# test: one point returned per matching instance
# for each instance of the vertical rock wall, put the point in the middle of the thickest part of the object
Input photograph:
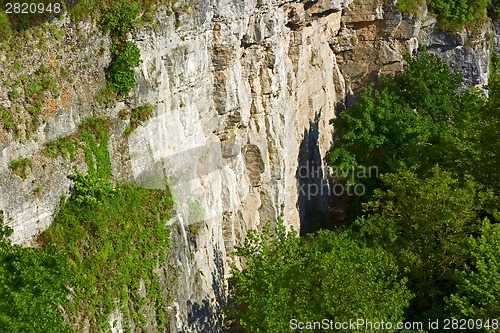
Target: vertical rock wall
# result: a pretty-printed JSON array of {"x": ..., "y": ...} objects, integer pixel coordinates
[
  {"x": 243, "y": 92},
  {"x": 235, "y": 95}
]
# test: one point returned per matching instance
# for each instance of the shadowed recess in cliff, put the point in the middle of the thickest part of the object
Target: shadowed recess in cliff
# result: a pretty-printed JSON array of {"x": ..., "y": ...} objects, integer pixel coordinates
[
  {"x": 314, "y": 196},
  {"x": 207, "y": 315}
]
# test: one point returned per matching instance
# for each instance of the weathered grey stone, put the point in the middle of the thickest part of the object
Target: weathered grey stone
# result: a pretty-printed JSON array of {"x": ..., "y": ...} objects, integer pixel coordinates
[{"x": 468, "y": 52}]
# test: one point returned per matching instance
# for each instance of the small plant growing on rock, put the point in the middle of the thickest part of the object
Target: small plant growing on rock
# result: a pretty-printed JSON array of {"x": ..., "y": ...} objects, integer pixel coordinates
[
  {"x": 64, "y": 146},
  {"x": 120, "y": 75},
  {"x": 90, "y": 190},
  {"x": 138, "y": 116},
  {"x": 20, "y": 167},
  {"x": 6, "y": 119}
]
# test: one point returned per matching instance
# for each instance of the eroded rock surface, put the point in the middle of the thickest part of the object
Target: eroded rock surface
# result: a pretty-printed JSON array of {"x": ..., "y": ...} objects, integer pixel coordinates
[{"x": 243, "y": 93}]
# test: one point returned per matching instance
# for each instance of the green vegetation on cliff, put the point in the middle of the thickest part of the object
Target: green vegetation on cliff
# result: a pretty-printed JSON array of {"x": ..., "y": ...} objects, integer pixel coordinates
[
  {"x": 111, "y": 244},
  {"x": 115, "y": 16},
  {"x": 325, "y": 275},
  {"x": 103, "y": 252},
  {"x": 91, "y": 261},
  {"x": 20, "y": 167},
  {"x": 34, "y": 85},
  {"x": 451, "y": 14},
  {"x": 32, "y": 287},
  {"x": 137, "y": 116},
  {"x": 121, "y": 74}
]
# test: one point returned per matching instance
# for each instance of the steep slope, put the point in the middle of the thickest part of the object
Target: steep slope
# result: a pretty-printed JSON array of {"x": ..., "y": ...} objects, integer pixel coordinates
[{"x": 242, "y": 93}]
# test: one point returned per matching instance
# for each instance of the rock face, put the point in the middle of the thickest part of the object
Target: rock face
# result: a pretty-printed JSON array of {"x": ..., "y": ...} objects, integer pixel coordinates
[
  {"x": 235, "y": 96},
  {"x": 468, "y": 52},
  {"x": 243, "y": 93}
]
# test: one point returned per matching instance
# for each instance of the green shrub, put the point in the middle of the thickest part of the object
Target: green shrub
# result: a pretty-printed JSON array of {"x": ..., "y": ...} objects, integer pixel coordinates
[
  {"x": 90, "y": 190},
  {"x": 64, "y": 146},
  {"x": 138, "y": 116},
  {"x": 20, "y": 167},
  {"x": 6, "y": 119},
  {"x": 121, "y": 75},
  {"x": 454, "y": 14},
  {"x": 110, "y": 248},
  {"x": 118, "y": 18},
  {"x": 31, "y": 287}
]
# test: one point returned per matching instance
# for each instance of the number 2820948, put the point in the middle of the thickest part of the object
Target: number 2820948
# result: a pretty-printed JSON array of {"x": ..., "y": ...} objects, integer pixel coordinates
[{"x": 32, "y": 8}]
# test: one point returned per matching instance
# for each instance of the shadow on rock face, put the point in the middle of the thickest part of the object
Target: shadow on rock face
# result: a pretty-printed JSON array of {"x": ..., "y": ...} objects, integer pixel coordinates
[
  {"x": 314, "y": 197},
  {"x": 207, "y": 315}
]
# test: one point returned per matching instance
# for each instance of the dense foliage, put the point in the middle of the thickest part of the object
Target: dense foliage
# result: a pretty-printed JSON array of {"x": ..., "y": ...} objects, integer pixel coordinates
[
  {"x": 452, "y": 15},
  {"x": 326, "y": 275},
  {"x": 434, "y": 210},
  {"x": 121, "y": 74},
  {"x": 409, "y": 120},
  {"x": 101, "y": 253},
  {"x": 425, "y": 223},
  {"x": 31, "y": 288},
  {"x": 478, "y": 286},
  {"x": 119, "y": 17},
  {"x": 110, "y": 248}
]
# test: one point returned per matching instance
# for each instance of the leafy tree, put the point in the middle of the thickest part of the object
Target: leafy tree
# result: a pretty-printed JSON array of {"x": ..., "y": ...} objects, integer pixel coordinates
[
  {"x": 425, "y": 214},
  {"x": 326, "y": 275},
  {"x": 409, "y": 119},
  {"x": 31, "y": 288},
  {"x": 478, "y": 287},
  {"x": 486, "y": 168},
  {"x": 420, "y": 119},
  {"x": 424, "y": 222}
]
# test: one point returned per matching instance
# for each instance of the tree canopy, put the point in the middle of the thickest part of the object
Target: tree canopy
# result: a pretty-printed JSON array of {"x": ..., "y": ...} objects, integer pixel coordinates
[{"x": 327, "y": 275}]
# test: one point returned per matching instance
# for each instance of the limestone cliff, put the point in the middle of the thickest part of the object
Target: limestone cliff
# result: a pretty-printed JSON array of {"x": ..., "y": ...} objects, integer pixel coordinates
[{"x": 243, "y": 92}]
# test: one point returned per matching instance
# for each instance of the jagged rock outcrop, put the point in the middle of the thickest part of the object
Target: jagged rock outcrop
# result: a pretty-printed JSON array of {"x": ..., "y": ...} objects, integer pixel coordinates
[
  {"x": 243, "y": 93},
  {"x": 468, "y": 52}
]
